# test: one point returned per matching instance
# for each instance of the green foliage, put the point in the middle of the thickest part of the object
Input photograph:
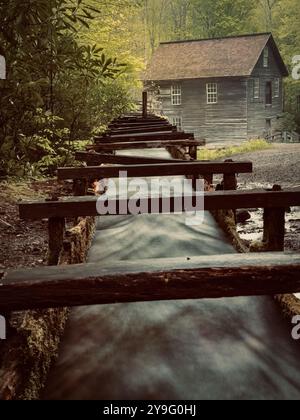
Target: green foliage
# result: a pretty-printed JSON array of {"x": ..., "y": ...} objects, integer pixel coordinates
[
  {"x": 54, "y": 82},
  {"x": 66, "y": 73},
  {"x": 221, "y": 17}
]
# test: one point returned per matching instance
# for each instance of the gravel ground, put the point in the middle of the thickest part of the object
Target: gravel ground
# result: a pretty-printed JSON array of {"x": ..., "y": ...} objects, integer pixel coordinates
[{"x": 278, "y": 165}]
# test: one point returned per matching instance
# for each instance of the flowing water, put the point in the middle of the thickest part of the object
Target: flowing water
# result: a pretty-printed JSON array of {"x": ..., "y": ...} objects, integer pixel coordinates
[{"x": 237, "y": 348}]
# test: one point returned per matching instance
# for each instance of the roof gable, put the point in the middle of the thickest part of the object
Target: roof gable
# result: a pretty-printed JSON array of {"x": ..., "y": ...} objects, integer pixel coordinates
[{"x": 219, "y": 57}]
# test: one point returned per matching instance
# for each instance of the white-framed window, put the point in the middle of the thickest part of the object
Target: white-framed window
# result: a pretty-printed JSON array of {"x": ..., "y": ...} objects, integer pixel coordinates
[
  {"x": 176, "y": 95},
  {"x": 276, "y": 87},
  {"x": 177, "y": 121},
  {"x": 212, "y": 93},
  {"x": 256, "y": 88},
  {"x": 266, "y": 57}
]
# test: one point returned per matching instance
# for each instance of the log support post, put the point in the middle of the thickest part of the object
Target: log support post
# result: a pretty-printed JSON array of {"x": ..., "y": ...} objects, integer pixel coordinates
[
  {"x": 208, "y": 182},
  {"x": 80, "y": 187},
  {"x": 230, "y": 184},
  {"x": 193, "y": 151},
  {"x": 56, "y": 227},
  {"x": 230, "y": 180},
  {"x": 145, "y": 104},
  {"x": 274, "y": 227}
]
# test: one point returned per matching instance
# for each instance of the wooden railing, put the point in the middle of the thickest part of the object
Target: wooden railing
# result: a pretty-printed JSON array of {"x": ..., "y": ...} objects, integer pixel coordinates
[
  {"x": 86, "y": 206},
  {"x": 156, "y": 169},
  {"x": 134, "y": 143},
  {"x": 94, "y": 158},
  {"x": 150, "y": 280},
  {"x": 161, "y": 279}
]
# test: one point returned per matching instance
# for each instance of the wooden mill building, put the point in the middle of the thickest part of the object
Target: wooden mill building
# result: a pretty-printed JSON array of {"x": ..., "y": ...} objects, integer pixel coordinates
[{"x": 220, "y": 89}]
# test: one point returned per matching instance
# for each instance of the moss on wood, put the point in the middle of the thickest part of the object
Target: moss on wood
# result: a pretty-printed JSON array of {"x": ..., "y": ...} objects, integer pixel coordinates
[{"x": 34, "y": 336}]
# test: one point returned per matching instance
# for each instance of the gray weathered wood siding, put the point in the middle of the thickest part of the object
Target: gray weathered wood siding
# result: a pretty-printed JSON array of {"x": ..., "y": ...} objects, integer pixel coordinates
[
  {"x": 237, "y": 116},
  {"x": 226, "y": 120},
  {"x": 258, "y": 111}
]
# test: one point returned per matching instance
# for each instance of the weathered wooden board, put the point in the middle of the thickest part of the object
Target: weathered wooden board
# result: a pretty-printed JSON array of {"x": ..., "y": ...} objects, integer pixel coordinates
[
  {"x": 99, "y": 159},
  {"x": 100, "y": 147},
  {"x": 141, "y": 130},
  {"x": 86, "y": 206},
  {"x": 145, "y": 137},
  {"x": 161, "y": 169},
  {"x": 124, "y": 125},
  {"x": 138, "y": 119},
  {"x": 150, "y": 280}
]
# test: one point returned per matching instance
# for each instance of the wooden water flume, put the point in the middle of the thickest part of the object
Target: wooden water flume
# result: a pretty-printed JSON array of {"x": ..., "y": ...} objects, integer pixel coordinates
[{"x": 161, "y": 279}]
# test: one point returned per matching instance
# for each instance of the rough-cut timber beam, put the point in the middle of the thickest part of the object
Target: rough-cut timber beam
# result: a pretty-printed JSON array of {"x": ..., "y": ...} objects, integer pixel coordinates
[
  {"x": 144, "y": 137},
  {"x": 125, "y": 125},
  {"x": 86, "y": 206},
  {"x": 138, "y": 119},
  {"x": 140, "y": 130},
  {"x": 160, "y": 144},
  {"x": 161, "y": 169},
  {"x": 99, "y": 159},
  {"x": 150, "y": 280},
  {"x": 138, "y": 126}
]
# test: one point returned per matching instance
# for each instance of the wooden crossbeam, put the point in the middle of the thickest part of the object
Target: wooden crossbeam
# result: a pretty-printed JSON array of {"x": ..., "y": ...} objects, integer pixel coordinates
[
  {"x": 161, "y": 169},
  {"x": 150, "y": 280},
  {"x": 125, "y": 125},
  {"x": 158, "y": 144},
  {"x": 144, "y": 137},
  {"x": 137, "y": 126},
  {"x": 138, "y": 118},
  {"x": 99, "y": 159},
  {"x": 141, "y": 130},
  {"x": 86, "y": 206}
]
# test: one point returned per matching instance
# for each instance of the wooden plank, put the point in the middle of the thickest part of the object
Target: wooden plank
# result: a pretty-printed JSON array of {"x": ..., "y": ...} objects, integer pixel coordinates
[
  {"x": 138, "y": 118},
  {"x": 138, "y": 121},
  {"x": 150, "y": 280},
  {"x": 86, "y": 206},
  {"x": 126, "y": 125},
  {"x": 137, "y": 126},
  {"x": 159, "y": 144},
  {"x": 141, "y": 130},
  {"x": 161, "y": 169},
  {"x": 99, "y": 159},
  {"x": 145, "y": 137}
]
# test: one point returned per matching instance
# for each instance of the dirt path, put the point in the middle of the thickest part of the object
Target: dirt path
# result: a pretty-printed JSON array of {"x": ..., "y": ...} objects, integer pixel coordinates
[{"x": 278, "y": 165}]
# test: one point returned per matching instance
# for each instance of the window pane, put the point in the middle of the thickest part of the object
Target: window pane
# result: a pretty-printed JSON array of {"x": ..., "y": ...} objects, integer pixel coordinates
[
  {"x": 269, "y": 93},
  {"x": 177, "y": 121},
  {"x": 176, "y": 95},
  {"x": 277, "y": 88},
  {"x": 256, "y": 88},
  {"x": 266, "y": 57},
  {"x": 212, "y": 93}
]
